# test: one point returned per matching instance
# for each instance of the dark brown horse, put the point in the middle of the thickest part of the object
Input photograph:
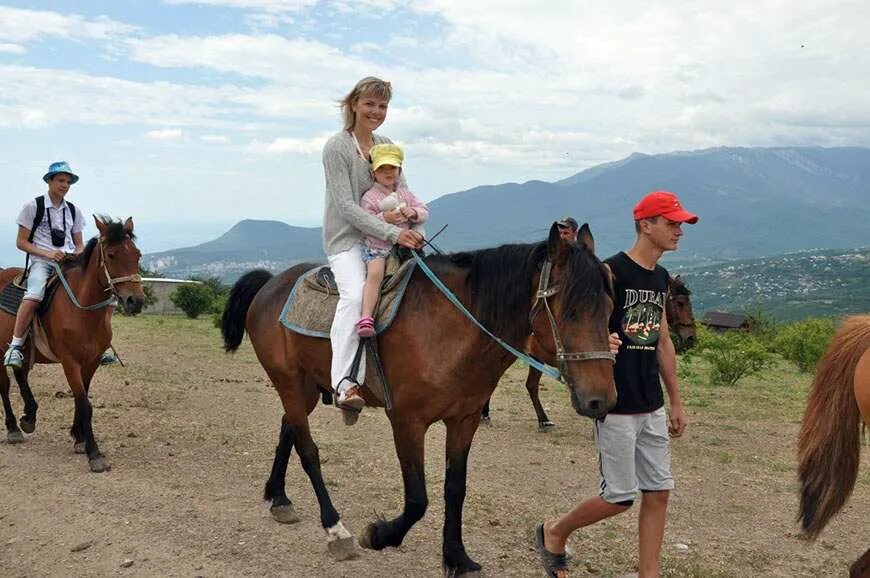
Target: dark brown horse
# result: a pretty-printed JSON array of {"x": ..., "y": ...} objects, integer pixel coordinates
[
  {"x": 829, "y": 442},
  {"x": 439, "y": 365},
  {"x": 77, "y": 336},
  {"x": 681, "y": 319}
]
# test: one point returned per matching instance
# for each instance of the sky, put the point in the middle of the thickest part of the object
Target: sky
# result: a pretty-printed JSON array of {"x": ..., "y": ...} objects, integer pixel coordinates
[{"x": 190, "y": 115}]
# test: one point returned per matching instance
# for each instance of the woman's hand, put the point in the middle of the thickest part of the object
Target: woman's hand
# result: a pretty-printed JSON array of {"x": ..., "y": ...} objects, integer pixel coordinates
[
  {"x": 395, "y": 217},
  {"x": 410, "y": 239}
]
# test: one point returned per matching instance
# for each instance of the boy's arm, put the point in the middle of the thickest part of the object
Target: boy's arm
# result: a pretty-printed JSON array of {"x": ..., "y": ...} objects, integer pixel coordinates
[
  {"x": 77, "y": 241},
  {"x": 23, "y": 243},
  {"x": 667, "y": 358}
]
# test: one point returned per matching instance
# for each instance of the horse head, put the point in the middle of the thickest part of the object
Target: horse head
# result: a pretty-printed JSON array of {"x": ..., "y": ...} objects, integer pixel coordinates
[
  {"x": 119, "y": 261},
  {"x": 575, "y": 292},
  {"x": 679, "y": 312}
]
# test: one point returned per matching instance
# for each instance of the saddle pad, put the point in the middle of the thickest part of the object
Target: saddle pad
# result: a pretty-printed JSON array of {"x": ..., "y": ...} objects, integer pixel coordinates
[
  {"x": 10, "y": 298},
  {"x": 310, "y": 307}
]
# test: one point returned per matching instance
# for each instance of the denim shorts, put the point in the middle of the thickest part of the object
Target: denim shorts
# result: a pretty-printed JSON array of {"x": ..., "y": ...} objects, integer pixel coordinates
[
  {"x": 370, "y": 254},
  {"x": 36, "y": 280}
]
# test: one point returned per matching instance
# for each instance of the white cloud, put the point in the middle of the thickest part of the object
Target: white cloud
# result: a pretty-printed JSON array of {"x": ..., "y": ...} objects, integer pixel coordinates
[
  {"x": 287, "y": 145},
  {"x": 267, "y": 5},
  {"x": 9, "y": 48},
  {"x": 19, "y": 25},
  {"x": 215, "y": 138},
  {"x": 168, "y": 134}
]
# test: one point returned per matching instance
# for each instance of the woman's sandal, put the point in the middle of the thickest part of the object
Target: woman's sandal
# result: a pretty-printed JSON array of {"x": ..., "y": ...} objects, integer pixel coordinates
[
  {"x": 551, "y": 562},
  {"x": 365, "y": 327}
]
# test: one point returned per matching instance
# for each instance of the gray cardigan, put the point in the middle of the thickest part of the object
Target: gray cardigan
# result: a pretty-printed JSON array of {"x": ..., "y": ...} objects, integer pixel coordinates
[{"x": 348, "y": 177}]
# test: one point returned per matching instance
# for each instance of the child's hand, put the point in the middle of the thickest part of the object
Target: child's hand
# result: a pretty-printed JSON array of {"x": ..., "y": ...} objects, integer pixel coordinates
[
  {"x": 395, "y": 217},
  {"x": 410, "y": 214}
]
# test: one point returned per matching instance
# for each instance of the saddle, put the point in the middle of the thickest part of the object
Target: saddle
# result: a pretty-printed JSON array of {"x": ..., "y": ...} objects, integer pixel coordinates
[
  {"x": 10, "y": 301},
  {"x": 311, "y": 306},
  {"x": 13, "y": 294}
]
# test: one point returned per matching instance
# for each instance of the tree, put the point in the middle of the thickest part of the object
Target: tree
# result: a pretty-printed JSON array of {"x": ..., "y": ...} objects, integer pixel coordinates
[
  {"x": 804, "y": 342},
  {"x": 194, "y": 299},
  {"x": 732, "y": 355}
]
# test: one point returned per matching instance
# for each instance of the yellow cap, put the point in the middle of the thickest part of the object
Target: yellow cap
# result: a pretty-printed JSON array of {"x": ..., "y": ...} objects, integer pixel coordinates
[{"x": 386, "y": 154}]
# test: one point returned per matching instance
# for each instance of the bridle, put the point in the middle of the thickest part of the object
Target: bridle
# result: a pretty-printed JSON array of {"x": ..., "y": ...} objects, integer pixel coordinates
[
  {"x": 545, "y": 291},
  {"x": 112, "y": 281}
]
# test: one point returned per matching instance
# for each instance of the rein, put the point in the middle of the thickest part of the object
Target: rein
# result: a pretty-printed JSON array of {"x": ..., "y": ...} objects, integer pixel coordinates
[
  {"x": 542, "y": 289},
  {"x": 112, "y": 281}
]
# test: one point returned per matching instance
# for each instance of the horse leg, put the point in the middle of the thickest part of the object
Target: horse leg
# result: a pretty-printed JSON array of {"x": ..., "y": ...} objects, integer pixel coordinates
[
  {"x": 78, "y": 376},
  {"x": 28, "y": 420},
  {"x": 533, "y": 382},
  {"x": 484, "y": 415},
  {"x": 460, "y": 432},
  {"x": 13, "y": 434},
  {"x": 409, "y": 441},
  {"x": 861, "y": 567},
  {"x": 282, "y": 508}
]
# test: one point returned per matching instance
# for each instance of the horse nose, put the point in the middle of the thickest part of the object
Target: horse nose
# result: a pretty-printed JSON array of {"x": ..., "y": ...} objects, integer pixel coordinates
[
  {"x": 596, "y": 406},
  {"x": 690, "y": 341},
  {"x": 133, "y": 305}
]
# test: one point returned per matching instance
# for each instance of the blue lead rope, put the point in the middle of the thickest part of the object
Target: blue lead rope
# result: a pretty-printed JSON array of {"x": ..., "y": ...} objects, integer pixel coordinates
[
  {"x": 542, "y": 367},
  {"x": 72, "y": 296}
]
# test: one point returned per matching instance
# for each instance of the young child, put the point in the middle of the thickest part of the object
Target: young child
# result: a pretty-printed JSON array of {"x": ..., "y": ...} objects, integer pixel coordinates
[{"x": 387, "y": 194}]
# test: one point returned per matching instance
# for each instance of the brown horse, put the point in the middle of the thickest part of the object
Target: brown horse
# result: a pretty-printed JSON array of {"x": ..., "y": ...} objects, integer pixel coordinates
[
  {"x": 76, "y": 335},
  {"x": 829, "y": 442},
  {"x": 681, "y": 319},
  {"x": 439, "y": 365}
]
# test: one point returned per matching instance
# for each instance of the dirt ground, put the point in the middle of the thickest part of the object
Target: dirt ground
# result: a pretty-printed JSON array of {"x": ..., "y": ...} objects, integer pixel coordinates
[{"x": 190, "y": 433}]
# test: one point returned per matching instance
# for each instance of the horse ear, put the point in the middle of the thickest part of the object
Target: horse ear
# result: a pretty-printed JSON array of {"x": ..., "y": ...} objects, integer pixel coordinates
[
  {"x": 555, "y": 245},
  {"x": 584, "y": 237},
  {"x": 128, "y": 225},
  {"x": 101, "y": 226}
]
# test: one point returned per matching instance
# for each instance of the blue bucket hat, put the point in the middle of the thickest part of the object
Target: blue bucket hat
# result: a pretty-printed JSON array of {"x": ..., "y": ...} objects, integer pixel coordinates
[{"x": 60, "y": 167}]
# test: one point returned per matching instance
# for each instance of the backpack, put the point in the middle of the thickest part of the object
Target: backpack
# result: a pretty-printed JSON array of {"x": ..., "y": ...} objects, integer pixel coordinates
[{"x": 37, "y": 219}]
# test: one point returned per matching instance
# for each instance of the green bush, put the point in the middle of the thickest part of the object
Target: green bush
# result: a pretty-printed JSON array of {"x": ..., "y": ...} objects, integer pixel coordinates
[
  {"x": 764, "y": 326},
  {"x": 731, "y": 355},
  {"x": 194, "y": 299},
  {"x": 804, "y": 342}
]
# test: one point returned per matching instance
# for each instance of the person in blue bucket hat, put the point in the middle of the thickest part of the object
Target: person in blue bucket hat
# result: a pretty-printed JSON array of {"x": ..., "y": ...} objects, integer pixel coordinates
[{"x": 49, "y": 228}]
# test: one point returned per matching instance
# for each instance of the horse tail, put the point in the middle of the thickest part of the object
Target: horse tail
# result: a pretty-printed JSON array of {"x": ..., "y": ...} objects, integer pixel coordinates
[
  {"x": 236, "y": 311},
  {"x": 829, "y": 441}
]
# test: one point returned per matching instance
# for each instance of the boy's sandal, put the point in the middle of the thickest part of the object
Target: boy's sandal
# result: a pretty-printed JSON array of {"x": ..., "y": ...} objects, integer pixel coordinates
[{"x": 551, "y": 562}]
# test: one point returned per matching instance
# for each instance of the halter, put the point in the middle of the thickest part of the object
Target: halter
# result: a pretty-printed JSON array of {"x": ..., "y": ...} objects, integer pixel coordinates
[
  {"x": 112, "y": 281},
  {"x": 545, "y": 291}
]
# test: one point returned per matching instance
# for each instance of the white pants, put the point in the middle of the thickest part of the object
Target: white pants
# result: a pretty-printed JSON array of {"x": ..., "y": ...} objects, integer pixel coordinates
[{"x": 350, "y": 276}]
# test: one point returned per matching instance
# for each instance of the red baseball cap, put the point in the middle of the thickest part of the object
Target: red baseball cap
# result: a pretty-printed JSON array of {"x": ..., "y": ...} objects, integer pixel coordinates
[{"x": 666, "y": 204}]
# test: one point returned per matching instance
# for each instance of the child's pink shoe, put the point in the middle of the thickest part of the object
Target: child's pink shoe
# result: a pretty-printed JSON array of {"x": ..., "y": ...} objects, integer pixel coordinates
[{"x": 365, "y": 327}]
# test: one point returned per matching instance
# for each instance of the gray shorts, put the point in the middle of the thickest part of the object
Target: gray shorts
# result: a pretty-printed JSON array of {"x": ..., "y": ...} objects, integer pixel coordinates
[{"x": 634, "y": 453}]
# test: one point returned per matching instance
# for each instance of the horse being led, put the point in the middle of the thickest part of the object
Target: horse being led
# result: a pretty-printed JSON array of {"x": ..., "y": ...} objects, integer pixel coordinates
[
  {"x": 829, "y": 442},
  {"x": 439, "y": 365},
  {"x": 681, "y": 319},
  {"x": 76, "y": 336}
]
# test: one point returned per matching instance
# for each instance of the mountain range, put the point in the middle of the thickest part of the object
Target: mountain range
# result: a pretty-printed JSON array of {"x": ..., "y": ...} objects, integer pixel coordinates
[{"x": 752, "y": 202}]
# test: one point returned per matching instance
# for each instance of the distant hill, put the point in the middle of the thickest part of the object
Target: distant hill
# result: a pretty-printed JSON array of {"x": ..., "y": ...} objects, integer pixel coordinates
[
  {"x": 793, "y": 286},
  {"x": 752, "y": 202}
]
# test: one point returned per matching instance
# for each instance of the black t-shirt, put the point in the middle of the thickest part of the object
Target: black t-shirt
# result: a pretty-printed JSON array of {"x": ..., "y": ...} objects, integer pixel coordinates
[{"x": 637, "y": 315}]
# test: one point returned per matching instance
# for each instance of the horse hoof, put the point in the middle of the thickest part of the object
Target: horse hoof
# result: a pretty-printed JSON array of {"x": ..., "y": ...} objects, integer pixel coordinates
[
  {"x": 28, "y": 425},
  {"x": 285, "y": 514},
  {"x": 15, "y": 437},
  {"x": 365, "y": 541},
  {"x": 342, "y": 548},
  {"x": 99, "y": 465},
  {"x": 546, "y": 426},
  {"x": 79, "y": 447}
]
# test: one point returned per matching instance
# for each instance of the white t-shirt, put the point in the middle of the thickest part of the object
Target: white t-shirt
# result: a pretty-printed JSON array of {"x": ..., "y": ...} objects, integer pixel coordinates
[{"x": 42, "y": 237}]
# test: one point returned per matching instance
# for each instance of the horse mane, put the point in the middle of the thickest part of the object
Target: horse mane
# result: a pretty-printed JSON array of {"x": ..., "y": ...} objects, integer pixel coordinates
[
  {"x": 829, "y": 441},
  {"x": 677, "y": 287},
  {"x": 500, "y": 288},
  {"x": 115, "y": 233}
]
